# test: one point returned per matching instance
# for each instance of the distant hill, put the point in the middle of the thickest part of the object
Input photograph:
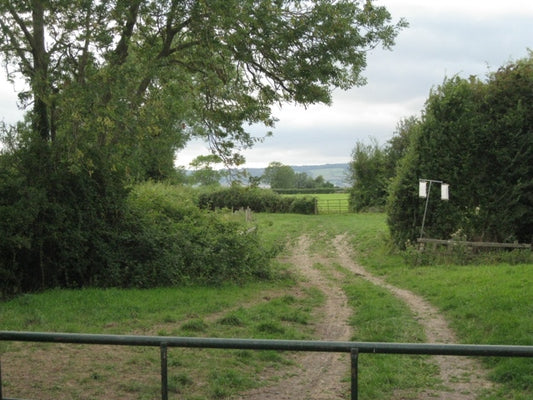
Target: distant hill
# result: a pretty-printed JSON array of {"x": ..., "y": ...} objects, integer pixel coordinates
[{"x": 334, "y": 173}]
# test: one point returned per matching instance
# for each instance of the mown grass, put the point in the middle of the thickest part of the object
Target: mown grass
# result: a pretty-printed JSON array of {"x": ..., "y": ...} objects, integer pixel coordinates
[
  {"x": 483, "y": 303},
  {"x": 262, "y": 310}
]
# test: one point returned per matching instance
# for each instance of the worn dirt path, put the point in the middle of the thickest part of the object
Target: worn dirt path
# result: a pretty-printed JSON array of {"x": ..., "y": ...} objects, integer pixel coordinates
[{"x": 320, "y": 374}]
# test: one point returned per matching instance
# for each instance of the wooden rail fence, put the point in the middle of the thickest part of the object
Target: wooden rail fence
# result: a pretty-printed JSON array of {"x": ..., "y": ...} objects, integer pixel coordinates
[{"x": 474, "y": 244}]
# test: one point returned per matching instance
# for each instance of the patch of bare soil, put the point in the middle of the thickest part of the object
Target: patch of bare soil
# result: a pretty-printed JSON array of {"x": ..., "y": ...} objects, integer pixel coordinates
[
  {"x": 462, "y": 378},
  {"x": 320, "y": 374}
]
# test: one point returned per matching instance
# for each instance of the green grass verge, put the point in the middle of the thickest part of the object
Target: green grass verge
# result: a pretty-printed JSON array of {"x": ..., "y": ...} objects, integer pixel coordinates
[
  {"x": 380, "y": 317},
  {"x": 484, "y": 304},
  {"x": 250, "y": 311}
]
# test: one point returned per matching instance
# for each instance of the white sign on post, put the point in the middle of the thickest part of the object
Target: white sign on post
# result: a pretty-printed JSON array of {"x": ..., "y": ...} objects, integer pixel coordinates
[
  {"x": 422, "y": 189},
  {"x": 444, "y": 191}
]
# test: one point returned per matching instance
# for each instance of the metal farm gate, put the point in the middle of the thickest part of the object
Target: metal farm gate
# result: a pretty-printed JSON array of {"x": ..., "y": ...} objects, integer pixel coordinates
[
  {"x": 331, "y": 206},
  {"x": 353, "y": 348}
]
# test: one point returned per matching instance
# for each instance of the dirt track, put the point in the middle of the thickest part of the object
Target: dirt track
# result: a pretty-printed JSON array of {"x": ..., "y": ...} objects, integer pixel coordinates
[
  {"x": 316, "y": 376},
  {"x": 321, "y": 374}
]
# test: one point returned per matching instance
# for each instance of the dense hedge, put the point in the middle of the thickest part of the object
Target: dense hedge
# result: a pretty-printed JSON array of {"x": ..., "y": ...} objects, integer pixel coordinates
[
  {"x": 170, "y": 241},
  {"x": 59, "y": 225},
  {"x": 326, "y": 190},
  {"x": 74, "y": 234},
  {"x": 258, "y": 200},
  {"x": 477, "y": 136}
]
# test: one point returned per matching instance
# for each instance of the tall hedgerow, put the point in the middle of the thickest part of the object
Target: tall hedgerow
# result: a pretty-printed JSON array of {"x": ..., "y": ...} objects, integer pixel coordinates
[
  {"x": 476, "y": 136},
  {"x": 256, "y": 199},
  {"x": 170, "y": 241}
]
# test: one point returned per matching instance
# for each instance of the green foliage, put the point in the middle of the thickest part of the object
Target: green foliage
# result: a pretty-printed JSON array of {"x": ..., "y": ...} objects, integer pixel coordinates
[
  {"x": 257, "y": 200},
  {"x": 147, "y": 75},
  {"x": 283, "y": 179},
  {"x": 373, "y": 167},
  {"x": 156, "y": 236},
  {"x": 116, "y": 88},
  {"x": 303, "y": 205},
  {"x": 279, "y": 176},
  {"x": 204, "y": 174},
  {"x": 60, "y": 222},
  {"x": 476, "y": 136},
  {"x": 368, "y": 177},
  {"x": 459, "y": 253},
  {"x": 169, "y": 241}
]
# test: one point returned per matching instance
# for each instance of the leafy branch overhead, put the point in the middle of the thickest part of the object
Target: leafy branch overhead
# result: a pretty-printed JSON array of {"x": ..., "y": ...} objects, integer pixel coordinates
[{"x": 132, "y": 73}]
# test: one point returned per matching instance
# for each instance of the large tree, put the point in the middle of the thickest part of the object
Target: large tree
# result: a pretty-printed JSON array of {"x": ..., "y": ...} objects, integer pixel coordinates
[
  {"x": 115, "y": 87},
  {"x": 368, "y": 176},
  {"x": 143, "y": 76},
  {"x": 373, "y": 166},
  {"x": 279, "y": 176}
]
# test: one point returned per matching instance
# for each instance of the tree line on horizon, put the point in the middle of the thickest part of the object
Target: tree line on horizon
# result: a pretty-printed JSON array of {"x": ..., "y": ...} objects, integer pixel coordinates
[{"x": 276, "y": 175}]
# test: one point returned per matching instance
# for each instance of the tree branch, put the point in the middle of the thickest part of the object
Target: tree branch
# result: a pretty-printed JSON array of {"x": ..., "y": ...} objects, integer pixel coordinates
[
  {"x": 18, "y": 49},
  {"x": 21, "y": 24},
  {"x": 121, "y": 51}
]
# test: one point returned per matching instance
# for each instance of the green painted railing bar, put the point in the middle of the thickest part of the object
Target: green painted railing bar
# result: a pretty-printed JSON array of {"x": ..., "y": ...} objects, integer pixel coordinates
[
  {"x": 354, "y": 356},
  {"x": 268, "y": 344},
  {"x": 164, "y": 371},
  {"x": 354, "y": 348}
]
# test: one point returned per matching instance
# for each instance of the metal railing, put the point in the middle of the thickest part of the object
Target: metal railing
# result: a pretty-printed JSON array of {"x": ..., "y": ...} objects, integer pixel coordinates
[
  {"x": 332, "y": 206},
  {"x": 353, "y": 348}
]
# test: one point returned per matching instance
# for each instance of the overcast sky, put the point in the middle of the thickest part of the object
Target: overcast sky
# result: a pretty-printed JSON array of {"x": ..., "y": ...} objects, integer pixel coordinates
[{"x": 444, "y": 38}]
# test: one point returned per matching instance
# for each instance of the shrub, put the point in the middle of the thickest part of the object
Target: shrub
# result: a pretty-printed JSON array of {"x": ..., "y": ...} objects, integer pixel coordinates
[
  {"x": 74, "y": 235},
  {"x": 258, "y": 200},
  {"x": 168, "y": 240},
  {"x": 302, "y": 205},
  {"x": 59, "y": 223}
]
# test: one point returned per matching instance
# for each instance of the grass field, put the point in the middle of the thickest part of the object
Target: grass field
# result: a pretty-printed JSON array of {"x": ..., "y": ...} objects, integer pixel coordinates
[{"x": 483, "y": 303}]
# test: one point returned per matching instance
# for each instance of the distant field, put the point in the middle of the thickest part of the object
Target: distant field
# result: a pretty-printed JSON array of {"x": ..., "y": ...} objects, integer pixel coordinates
[
  {"x": 323, "y": 196},
  {"x": 334, "y": 203}
]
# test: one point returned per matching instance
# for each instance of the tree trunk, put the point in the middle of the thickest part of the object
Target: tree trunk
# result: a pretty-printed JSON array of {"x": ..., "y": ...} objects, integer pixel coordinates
[{"x": 39, "y": 79}]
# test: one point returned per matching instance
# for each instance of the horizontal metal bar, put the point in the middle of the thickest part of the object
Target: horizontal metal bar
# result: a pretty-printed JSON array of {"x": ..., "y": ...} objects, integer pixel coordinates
[
  {"x": 266, "y": 344},
  {"x": 475, "y": 244}
]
